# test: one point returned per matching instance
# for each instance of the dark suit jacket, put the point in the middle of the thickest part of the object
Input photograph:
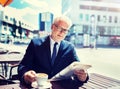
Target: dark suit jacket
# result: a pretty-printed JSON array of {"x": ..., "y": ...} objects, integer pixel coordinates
[{"x": 38, "y": 57}]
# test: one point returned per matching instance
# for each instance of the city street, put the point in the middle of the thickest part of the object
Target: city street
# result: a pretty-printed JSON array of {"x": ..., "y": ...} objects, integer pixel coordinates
[
  {"x": 105, "y": 61},
  {"x": 11, "y": 47}
]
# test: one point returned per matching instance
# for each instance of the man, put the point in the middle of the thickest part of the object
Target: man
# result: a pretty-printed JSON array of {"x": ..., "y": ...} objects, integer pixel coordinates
[{"x": 38, "y": 56}]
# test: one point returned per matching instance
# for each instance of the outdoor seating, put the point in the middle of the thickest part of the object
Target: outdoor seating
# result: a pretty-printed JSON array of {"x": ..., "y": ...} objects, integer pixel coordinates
[
  {"x": 11, "y": 75},
  {"x": 13, "y": 66},
  {"x": 98, "y": 81},
  {"x": 2, "y": 77},
  {"x": 4, "y": 81},
  {"x": 2, "y": 52},
  {"x": 8, "y": 60},
  {"x": 10, "y": 53}
]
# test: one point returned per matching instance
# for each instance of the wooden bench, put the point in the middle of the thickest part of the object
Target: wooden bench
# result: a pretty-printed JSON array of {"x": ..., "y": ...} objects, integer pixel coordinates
[{"x": 98, "y": 81}]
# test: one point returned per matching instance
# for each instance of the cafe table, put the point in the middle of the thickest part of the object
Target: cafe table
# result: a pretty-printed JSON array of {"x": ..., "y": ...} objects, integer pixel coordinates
[
  {"x": 96, "y": 81},
  {"x": 6, "y": 59},
  {"x": 3, "y": 51}
]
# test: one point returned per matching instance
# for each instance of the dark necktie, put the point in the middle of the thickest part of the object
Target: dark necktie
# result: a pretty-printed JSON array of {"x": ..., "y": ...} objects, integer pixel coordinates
[{"x": 54, "y": 53}]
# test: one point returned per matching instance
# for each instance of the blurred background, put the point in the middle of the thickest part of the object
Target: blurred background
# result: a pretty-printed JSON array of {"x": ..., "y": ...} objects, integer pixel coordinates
[
  {"x": 93, "y": 21},
  {"x": 95, "y": 31}
]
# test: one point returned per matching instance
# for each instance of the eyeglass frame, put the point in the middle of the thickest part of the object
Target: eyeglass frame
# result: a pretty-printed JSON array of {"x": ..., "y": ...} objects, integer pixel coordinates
[{"x": 61, "y": 29}]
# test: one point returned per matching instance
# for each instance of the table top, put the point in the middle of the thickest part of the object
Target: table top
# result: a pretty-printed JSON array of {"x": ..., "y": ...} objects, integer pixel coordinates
[
  {"x": 96, "y": 81},
  {"x": 10, "y": 58},
  {"x": 3, "y": 51},
  {"x": 10, "y": 86}
]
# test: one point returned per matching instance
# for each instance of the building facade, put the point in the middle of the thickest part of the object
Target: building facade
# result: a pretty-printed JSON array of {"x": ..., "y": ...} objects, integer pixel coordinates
[
  {"x": 95, "y": 22},
  {"x": 13, "y": 28},
  {"x": 45, "y": 21}
]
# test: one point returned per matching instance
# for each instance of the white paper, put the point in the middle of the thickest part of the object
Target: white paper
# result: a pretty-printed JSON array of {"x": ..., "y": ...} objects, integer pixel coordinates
[{"x": 69, "y": 71}]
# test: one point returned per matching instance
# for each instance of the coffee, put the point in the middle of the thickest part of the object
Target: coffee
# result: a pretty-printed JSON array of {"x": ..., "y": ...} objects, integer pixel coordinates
[
  {"x": 41, "y": 75},
  {"x": 41, "y": 79}
]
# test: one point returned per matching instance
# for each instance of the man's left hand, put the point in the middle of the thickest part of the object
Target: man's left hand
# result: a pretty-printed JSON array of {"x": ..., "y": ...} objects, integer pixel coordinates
[{"x": 81, "y": 74}]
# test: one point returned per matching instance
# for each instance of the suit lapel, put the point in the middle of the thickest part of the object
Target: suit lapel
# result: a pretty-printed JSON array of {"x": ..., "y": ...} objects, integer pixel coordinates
[{"x": 47, "y": 48}]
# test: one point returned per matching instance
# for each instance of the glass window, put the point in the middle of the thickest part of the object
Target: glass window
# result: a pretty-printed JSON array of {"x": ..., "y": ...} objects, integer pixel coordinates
[
  {"x": 104, "y": 18},
  {"x": 5, "y": 28},
  {"x": 110, "y": 19},
  {"x": 11, "y": 19},
  {"x": 98, "y": 18},
  {"x": 87, "y": 17},
  {"x": 81, "y": 17},
  {"x": 116, "y": 19},
  {"x": 6, "y": 17}
]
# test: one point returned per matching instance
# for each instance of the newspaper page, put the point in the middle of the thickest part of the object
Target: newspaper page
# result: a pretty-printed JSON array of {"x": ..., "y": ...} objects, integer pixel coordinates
[{"x": 69, "y": 71}]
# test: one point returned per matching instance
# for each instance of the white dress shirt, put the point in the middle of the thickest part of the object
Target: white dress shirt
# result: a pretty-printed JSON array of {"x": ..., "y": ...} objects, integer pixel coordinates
[{"x": 52, "y": 42}]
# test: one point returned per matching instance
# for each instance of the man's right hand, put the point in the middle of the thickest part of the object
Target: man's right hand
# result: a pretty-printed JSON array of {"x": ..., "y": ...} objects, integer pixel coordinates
[{"x": 29, "y": 76}]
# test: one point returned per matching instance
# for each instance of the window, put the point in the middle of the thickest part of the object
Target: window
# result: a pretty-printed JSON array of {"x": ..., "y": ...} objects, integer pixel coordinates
[
  {"x": 104, "y": 18},
  {"x": 6, "y": 17},
  {"x": 87, "y": 17},
  {"x": 11, "y": 19},
  {"x": 5, "y": 28},
  {"x": 81, "y": 17},
  {"x": 98, "y": 18},
  {"x": 115, "y": 20},
  {"x": 110, "y": 19}
]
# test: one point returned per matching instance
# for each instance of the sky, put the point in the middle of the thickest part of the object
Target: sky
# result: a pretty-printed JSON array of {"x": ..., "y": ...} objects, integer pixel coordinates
[{"x": 29, "y": 9}]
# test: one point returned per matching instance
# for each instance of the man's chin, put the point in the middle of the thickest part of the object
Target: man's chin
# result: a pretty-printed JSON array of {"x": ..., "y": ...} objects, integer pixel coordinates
[{"x": 58, "y": 40}]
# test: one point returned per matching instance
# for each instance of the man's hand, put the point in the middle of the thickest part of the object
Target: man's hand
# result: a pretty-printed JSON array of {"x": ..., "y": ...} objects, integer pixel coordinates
[
  {"x": 29, "y": 76},
  {"x": 81, "y": 74}
]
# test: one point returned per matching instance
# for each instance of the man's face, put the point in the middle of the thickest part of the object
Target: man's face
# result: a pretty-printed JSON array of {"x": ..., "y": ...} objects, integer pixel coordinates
[{"x": 59, "y": 31}]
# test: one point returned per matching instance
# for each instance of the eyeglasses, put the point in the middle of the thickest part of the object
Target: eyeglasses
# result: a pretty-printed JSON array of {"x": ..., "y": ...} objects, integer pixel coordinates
[{"x": 61, "y": 29}]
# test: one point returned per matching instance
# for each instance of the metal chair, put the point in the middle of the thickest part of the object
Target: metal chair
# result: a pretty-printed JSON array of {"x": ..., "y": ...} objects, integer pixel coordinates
[
  {"x": 3, "y": 52},
  {"x": 11, "y": 75},
  {"x": 2, "y": 77},
  {"x": 4, "y": 81},
  {"x": 13, "y": 66}
]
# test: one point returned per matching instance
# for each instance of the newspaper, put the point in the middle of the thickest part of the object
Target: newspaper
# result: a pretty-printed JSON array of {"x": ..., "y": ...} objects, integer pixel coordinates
[{"x": 69, "y": 71}]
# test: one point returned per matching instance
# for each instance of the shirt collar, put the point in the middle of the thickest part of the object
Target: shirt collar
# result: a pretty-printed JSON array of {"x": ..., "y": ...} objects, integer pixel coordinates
[{"x": 52, "y": 41}]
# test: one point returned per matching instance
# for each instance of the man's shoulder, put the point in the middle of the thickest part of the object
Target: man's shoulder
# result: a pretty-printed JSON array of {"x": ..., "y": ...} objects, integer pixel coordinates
[
  {"x": 67, "y": 43},
  {"x": 39, "y": 40}
]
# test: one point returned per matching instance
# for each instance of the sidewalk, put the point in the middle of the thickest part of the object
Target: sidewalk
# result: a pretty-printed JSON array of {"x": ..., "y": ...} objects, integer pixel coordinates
[
  {"x": 12, "y": 47},
  {"x": 104, "y": 61}
]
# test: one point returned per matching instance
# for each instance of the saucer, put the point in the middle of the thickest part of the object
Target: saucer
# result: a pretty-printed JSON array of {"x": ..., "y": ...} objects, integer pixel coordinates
[{"x": 35, "y": 85}]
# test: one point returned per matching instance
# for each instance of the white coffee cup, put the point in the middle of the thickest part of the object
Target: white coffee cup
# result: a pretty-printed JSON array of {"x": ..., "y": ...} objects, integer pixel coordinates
[{"x": 41, "y": 79}]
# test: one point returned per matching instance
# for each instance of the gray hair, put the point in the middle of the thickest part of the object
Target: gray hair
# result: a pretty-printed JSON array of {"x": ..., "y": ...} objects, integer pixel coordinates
[{"x": 65, "y": 19}]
